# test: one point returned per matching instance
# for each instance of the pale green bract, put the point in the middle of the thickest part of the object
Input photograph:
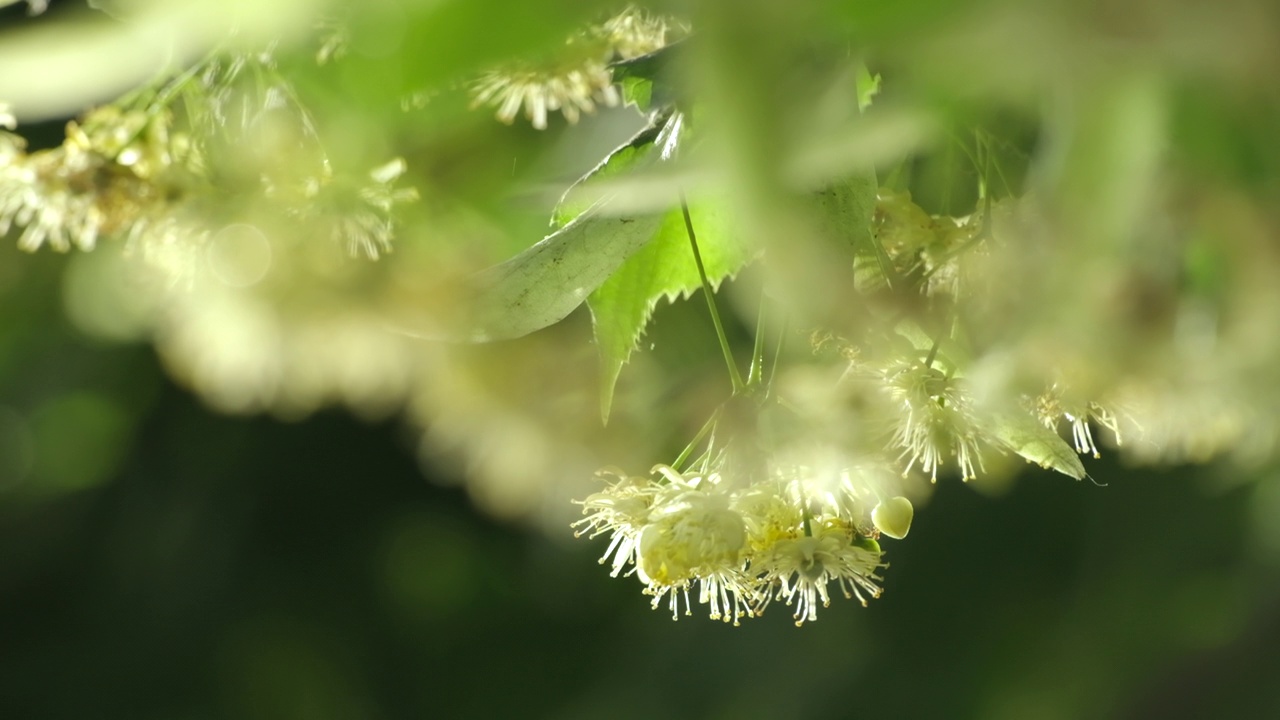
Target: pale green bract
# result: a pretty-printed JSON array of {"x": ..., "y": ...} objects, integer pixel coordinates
[
  {"x": 893, "y": 517},
  {"x": 1020, "y": 433}
]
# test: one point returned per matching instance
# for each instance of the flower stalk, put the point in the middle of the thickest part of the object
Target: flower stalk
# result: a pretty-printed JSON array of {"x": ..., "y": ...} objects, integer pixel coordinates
[{"x": 738, "y": 385}]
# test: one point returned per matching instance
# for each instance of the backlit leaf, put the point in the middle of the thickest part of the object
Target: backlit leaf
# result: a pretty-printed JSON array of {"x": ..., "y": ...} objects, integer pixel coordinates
[{"x": 622, "y": 306}]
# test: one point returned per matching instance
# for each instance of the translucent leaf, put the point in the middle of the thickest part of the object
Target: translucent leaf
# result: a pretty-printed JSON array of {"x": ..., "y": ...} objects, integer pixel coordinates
[
  {"x": 543, "y": 284},
  {"x": 1036, "y": 443},
  {"x": 622, "y": 306},
  {"x": 868, "y": 86},
  {"x": 636, "y": 152}
]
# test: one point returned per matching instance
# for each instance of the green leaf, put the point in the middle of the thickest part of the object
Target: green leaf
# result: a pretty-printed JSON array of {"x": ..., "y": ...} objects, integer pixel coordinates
[
  {"x": 1036, "y": 443},
  {"x": 622, "y": 306},
  {"x": 542, "y": 285},
  {"x": 847, "y": 208},
  {"x": 868, "y": 86},
  {"x": 639, "y": 151}
]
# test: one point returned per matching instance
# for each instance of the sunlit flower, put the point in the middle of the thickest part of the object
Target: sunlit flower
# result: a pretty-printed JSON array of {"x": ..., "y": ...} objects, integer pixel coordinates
[
  {"x": 691, "y": 534},
  {"x": 770, "y": 516},
  {"x": 569, "y": 89},
  {"x": 620, "y": 511},
  {"x": 936, "y": 420},
  {"x": 1054, "y": 405},
  {"x": 360, "y": 214},
  {"x": 730, "y": 592},
  {"x": 634, "y": 32},
  {"x": 113, "y": 171},
  {"x": 577, "y": 80},
  {"x": 802, "y": 568}
]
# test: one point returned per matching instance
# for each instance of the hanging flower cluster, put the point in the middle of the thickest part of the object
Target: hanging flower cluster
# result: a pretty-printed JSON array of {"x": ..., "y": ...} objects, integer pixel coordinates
[
  {"x": 577, "y": 79},
  {"x": 807, "y": 519},
  {"x": 216, "y": 179},
  {"x": 740, "y": 546},
  {"x": 793, "y": 508}
]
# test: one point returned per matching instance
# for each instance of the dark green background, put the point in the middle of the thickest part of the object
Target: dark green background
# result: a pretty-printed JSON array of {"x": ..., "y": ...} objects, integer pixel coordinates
[
  {"x": 161, "y": 562},
  {"x": 217, "y": 567}
]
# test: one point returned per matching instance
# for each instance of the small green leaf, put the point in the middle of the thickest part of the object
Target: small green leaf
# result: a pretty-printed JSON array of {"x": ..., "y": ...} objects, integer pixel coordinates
[
  {"x": 1036, "y": 443},
  {"x": 622, "y": 306},
  {"x": 846, "y": 210},
  {"x": 658, "y": 68},
  {"x": 868, "y": 86},
  {"x": 912, "y": 340},
  {"x": 637, "y": 91}
]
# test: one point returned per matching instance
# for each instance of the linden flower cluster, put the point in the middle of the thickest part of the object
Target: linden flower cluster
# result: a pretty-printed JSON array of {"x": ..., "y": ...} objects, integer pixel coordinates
[
  {"x": 166, "y": 167},
  {"x": 801, "y": 518},
  {"x": 740, "y": 547},
  {"x": 936, "y": 419},
  {"x": 116, "y": 173}
]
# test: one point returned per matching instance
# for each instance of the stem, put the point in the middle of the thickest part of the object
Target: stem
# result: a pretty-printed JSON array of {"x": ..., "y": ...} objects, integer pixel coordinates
[
  {"x": 891, "y": 278},
  {"x": 755, "y": 374},
  {"x": 933, "y": 352},
  {"x": 706, "y": 428},
  {"x": 777, "y": 354},
  {"x": 711, "y": 302}
]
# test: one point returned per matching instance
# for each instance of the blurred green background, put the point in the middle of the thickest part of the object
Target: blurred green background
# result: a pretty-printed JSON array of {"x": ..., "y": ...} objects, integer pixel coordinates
[{"x": 161, "y": 561}]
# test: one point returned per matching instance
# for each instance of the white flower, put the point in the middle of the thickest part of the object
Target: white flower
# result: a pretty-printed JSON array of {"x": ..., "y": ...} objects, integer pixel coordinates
[
  {"x": 769, "y": 516},
  {"x": 696, "y": 535},
  {"x": 741, "y": 546},
  {"x": 579, "y": 79},
  {"x": 731, "y": 593},
  {"x": 621, "y": 511},
  {"x": 693, "y": 534},
  {"x": 1055, "y": 405},
  {"x": 936, "y": 420},
  {"x": 803, "y": 567},
  {"x": 571, "y": 90}
]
